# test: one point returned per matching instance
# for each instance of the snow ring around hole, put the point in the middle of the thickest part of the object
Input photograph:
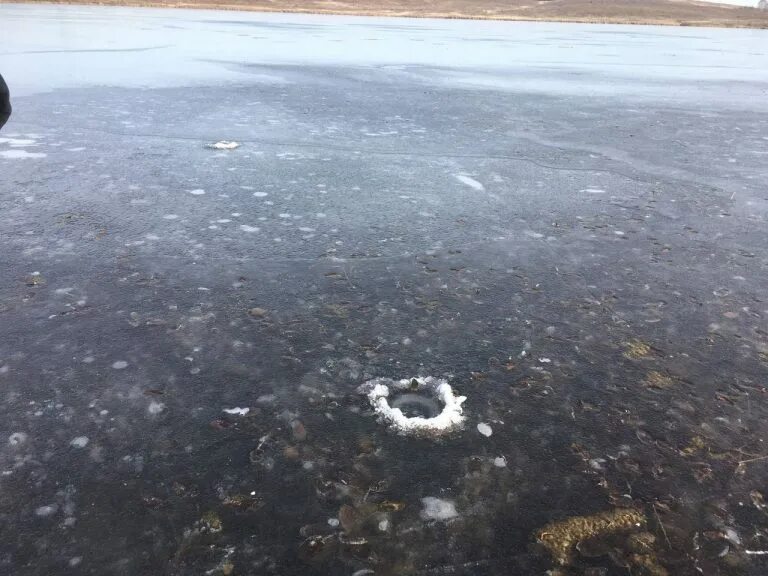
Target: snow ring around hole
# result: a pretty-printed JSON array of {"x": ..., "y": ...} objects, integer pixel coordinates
[{"x": 447, "y": 421}]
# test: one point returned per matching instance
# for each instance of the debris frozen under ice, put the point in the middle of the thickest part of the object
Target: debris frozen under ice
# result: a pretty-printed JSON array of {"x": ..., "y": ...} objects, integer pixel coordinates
[{"x": 448, "y": 420}]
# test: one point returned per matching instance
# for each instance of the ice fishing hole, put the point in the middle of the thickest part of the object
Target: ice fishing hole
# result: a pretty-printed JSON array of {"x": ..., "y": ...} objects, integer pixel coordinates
[{"x": 414, "y": 405}]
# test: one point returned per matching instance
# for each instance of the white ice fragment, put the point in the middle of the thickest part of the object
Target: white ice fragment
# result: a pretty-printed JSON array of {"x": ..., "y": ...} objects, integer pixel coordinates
[
  {"x": 545, "y": 360},
  {"x": 384, "y": 525},
  {"x": 120, "y": 365},
  {"x": 16, "y": 142},
  {"x": 47, "y": 510},
  {"x": 594, "y": 190},
  {"x": 732, "y": 536},
  {"x": 79, "y": 442},
  {"x": 21, "y": 154},
  {"x": 484, "y": 429},
  {"x": 237, "y": 411},
  {"x": 449, "y": 419},
  {"x": 155, "y": 408},
  {"x": 224, "y": 145},
  {"x": 469, "y": 181},
  {"x": 197, "y": 192},
  {"x": 500, "y": 462},
  {"x": 333, "y": 522},
  {"x": 261, "y": 194},
  {"x": 438, "y": 509},
  {"x": 246, "y": 228}
]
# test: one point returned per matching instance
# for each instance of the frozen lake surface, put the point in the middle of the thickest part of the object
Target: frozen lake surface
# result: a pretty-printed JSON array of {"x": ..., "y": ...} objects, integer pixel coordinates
[{"x": 566, "y": 223}]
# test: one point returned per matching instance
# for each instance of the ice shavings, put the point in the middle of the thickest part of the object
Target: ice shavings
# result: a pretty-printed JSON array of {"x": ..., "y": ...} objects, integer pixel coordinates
[{"x": 448, "y": 420}]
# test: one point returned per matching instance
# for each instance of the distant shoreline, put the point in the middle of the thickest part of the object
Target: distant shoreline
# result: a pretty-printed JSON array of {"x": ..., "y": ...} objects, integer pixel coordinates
[{"x": 654, "y": 12}]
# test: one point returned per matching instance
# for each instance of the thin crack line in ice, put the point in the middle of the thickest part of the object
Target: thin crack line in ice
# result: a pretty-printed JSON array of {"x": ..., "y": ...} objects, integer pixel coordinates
[
  {"x": 616, "y": 155},
  {"x": 310, "y": 145},
  {"x": 682, "y": 175}
]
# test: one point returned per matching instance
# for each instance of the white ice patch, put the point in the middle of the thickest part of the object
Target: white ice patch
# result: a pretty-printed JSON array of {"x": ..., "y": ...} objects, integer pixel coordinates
[
  {"x": 593, "y": 191},
  {"x": 170, "y": 217},
  {"x": 44, "y": 511},
  {"x": 197, "y": 192},
  {"x": 79, "y": 442},
  {"x": 246, "y": 228},
  {"x": 20, "y": 154},
  {"x": 237, "y": 411},
  {"x": 224, "y": 145},
  {"x": 155, "y": 408},
  {"x": 17, "y": 142},
  {"x": 438, "y": 509},
  {"x": 120, "y": 365},
  {"x": 469, "y": 181},
  {"x": 500, "y": 462},
  {"x": 449, "y": 420},
  {"x": 261, "y": 194},
  {"x": 484, "y": 429},
  {"x": 17, "y": 438}
]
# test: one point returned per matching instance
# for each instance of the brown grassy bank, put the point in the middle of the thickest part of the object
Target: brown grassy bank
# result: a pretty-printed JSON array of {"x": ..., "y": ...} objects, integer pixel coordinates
[{"x": 663, "y": 12}]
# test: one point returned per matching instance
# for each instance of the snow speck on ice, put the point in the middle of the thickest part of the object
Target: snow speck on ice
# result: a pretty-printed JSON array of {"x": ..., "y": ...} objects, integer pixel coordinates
[{"x": 438, "y": 509}]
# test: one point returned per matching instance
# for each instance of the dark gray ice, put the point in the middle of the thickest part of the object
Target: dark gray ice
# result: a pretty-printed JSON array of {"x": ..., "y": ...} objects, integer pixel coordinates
[{"x": 565, "y": 222}]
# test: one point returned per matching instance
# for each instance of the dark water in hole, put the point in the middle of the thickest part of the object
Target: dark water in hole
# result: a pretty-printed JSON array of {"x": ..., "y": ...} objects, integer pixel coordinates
[{"x": 413, "y": 405}]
